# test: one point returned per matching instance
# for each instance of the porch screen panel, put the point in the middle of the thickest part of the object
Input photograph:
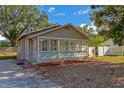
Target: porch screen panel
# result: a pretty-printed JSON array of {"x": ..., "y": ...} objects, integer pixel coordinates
[
  {"x": 53, "y": 45},
  {"x": 78, "y": 46},
  {"x": 71, "y": 46},
  {"x": 66, "y": 45},
  {"x": 62, "y": 47},
  {"x": 43, "y": 45}
]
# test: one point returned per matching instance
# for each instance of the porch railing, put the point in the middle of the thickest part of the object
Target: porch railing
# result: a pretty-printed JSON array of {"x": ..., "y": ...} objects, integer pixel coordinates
[
  {"x": 55, "y": 55},
  {"x": 34, "y": 55}
]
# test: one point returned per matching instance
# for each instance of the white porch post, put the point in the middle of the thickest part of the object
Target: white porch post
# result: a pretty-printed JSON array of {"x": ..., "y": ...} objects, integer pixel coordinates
[
  {"x": 87, "y": 50},
  {"x": 58, "y": 49},
  {"x": 27, "y": 48},
  {"x": 38, "y": 48}
]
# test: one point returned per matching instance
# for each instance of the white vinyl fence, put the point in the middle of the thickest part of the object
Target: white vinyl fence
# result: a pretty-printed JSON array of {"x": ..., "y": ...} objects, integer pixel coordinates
[{"x": 111, "y": 50}]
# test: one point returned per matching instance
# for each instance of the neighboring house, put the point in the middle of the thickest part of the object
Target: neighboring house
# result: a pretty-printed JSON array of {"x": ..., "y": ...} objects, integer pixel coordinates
[
  {"x": 5, "y": 43},
  {"x": 109, "y": 48},
  {"x": 53, "y": 43}
]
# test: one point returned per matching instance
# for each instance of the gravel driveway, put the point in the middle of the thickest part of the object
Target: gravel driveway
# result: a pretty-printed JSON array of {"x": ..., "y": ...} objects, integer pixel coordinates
[
  {"x": 89, "y": 75},
  {"x": 13, "y": 76}
]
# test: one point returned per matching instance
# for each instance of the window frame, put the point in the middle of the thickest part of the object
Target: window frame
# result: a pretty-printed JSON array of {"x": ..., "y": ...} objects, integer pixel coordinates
[{"x": 53, "y": 45}]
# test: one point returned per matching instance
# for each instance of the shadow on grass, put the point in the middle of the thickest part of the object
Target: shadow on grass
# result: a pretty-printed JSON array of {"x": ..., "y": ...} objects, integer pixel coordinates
[
  {"x": 120, "y": 63},
  {"x": 7, "y": 57}
]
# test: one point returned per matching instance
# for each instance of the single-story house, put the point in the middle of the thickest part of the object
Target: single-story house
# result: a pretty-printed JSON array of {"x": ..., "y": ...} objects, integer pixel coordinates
[
  {"x": 108, "y": 48},
  {"x": 53, "y": 43}
]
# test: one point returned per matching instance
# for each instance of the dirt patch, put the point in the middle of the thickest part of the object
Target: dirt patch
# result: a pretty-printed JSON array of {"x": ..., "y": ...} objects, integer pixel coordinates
[{"x": 92, "y": 74}]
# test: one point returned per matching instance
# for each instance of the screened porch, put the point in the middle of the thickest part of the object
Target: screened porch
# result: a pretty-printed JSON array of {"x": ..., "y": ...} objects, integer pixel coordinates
[{"x": 52, "y": 49}]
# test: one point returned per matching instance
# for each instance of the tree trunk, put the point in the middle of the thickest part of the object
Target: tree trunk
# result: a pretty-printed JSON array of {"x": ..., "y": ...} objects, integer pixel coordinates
[{"x": 96, "y": 50}]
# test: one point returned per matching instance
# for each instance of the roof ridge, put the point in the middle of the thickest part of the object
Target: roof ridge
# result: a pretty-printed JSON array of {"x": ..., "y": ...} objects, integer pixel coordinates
[
  {"x": 52, "y": 26},
  {"x": 44, "y": 28}
]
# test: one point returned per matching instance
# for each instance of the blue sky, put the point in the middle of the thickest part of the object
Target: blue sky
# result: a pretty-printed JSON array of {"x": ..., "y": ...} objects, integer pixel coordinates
[{"x": 63, "y": 14}]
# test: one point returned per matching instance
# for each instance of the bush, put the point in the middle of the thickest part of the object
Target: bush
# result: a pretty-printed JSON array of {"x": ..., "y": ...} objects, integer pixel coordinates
[{"x": 5, "y": 44}]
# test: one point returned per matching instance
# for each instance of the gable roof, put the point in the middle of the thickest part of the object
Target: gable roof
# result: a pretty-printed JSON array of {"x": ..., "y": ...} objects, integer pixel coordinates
[
  {"x": 40, "y": 30},
  {"x": 53, "y": 28}
]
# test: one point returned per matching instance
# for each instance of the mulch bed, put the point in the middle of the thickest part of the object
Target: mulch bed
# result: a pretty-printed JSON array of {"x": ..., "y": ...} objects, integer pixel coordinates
[{"x": 84, "y": 60}]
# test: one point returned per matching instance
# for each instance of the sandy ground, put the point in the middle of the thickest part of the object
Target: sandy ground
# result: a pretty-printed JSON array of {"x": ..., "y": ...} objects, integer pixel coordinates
[
  {"x": 15, "y": 76},
  {"x": 84, "y": 75}
]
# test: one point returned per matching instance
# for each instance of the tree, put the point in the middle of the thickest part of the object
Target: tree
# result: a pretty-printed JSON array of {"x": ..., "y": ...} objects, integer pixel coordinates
[
  {"x": 4, "y": 44},
  {"x": 42, "y": 20},
  {"x": 110, "y": 21},
  {"x": 95, "y": 41},
  {"x": 86, "y": 30},
  {"x": 14, "y": 20}
]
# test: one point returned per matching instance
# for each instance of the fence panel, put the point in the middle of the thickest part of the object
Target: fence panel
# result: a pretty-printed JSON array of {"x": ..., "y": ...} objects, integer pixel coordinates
[{"x": 7, "y": 50}]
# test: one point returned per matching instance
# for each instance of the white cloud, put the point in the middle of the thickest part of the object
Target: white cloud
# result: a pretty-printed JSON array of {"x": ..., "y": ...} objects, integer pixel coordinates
[
  {"x": 80, "y": 12},
  {"x": 51, "y": 9},
  {"x": 92, "y": 26},
  {"x": 82, "y": 25},
  {"x": 60, "y": 14},
  {"x": 89, "y": 26},
  {"x": 2, "y": 38}
]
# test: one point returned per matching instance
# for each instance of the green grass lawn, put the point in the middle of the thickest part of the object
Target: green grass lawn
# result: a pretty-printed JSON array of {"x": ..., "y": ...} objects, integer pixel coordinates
[
  {"x": 111, "y": 59},
  {"x": 7, "y": 56}
]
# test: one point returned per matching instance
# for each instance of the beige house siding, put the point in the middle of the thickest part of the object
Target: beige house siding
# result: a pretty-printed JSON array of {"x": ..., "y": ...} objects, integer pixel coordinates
[
  {"x": 21, "y": 47},
  {"x": 28, "y": 48},
  {"x": 33, "y": 47},
  {"x": 63, "y": 33}
]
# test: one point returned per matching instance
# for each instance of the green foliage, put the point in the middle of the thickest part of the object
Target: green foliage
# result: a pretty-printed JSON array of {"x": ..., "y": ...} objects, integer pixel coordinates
[
  {"x": 77, "y": 59},
  {"x": 86, "y": 30},
  {"x": 110, "y": 21},
  {"x": 42, "y": 20},
  {"x": 62, "y": 59},
  {"x": 96, "y": 40},
  {"x": 14, "y": 20},
  {"x": 6, "y": 44}
]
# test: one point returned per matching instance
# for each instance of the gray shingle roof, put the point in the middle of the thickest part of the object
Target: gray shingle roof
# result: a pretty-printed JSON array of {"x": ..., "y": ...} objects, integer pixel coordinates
[
  {"x": 52, "y": 28},
  {"x": 40, "y": 30}
]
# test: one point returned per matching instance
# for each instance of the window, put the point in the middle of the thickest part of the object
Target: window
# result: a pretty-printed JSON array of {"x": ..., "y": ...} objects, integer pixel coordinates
[
  {"x": 78, "y": 46},
  {"x": 48, "y": 45},
  {"x": 71, "y": 48},
  {"x": 53, "y": 45},
  {"x": 45, "y": 45},
  {"x": 66, "y": 46}
]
